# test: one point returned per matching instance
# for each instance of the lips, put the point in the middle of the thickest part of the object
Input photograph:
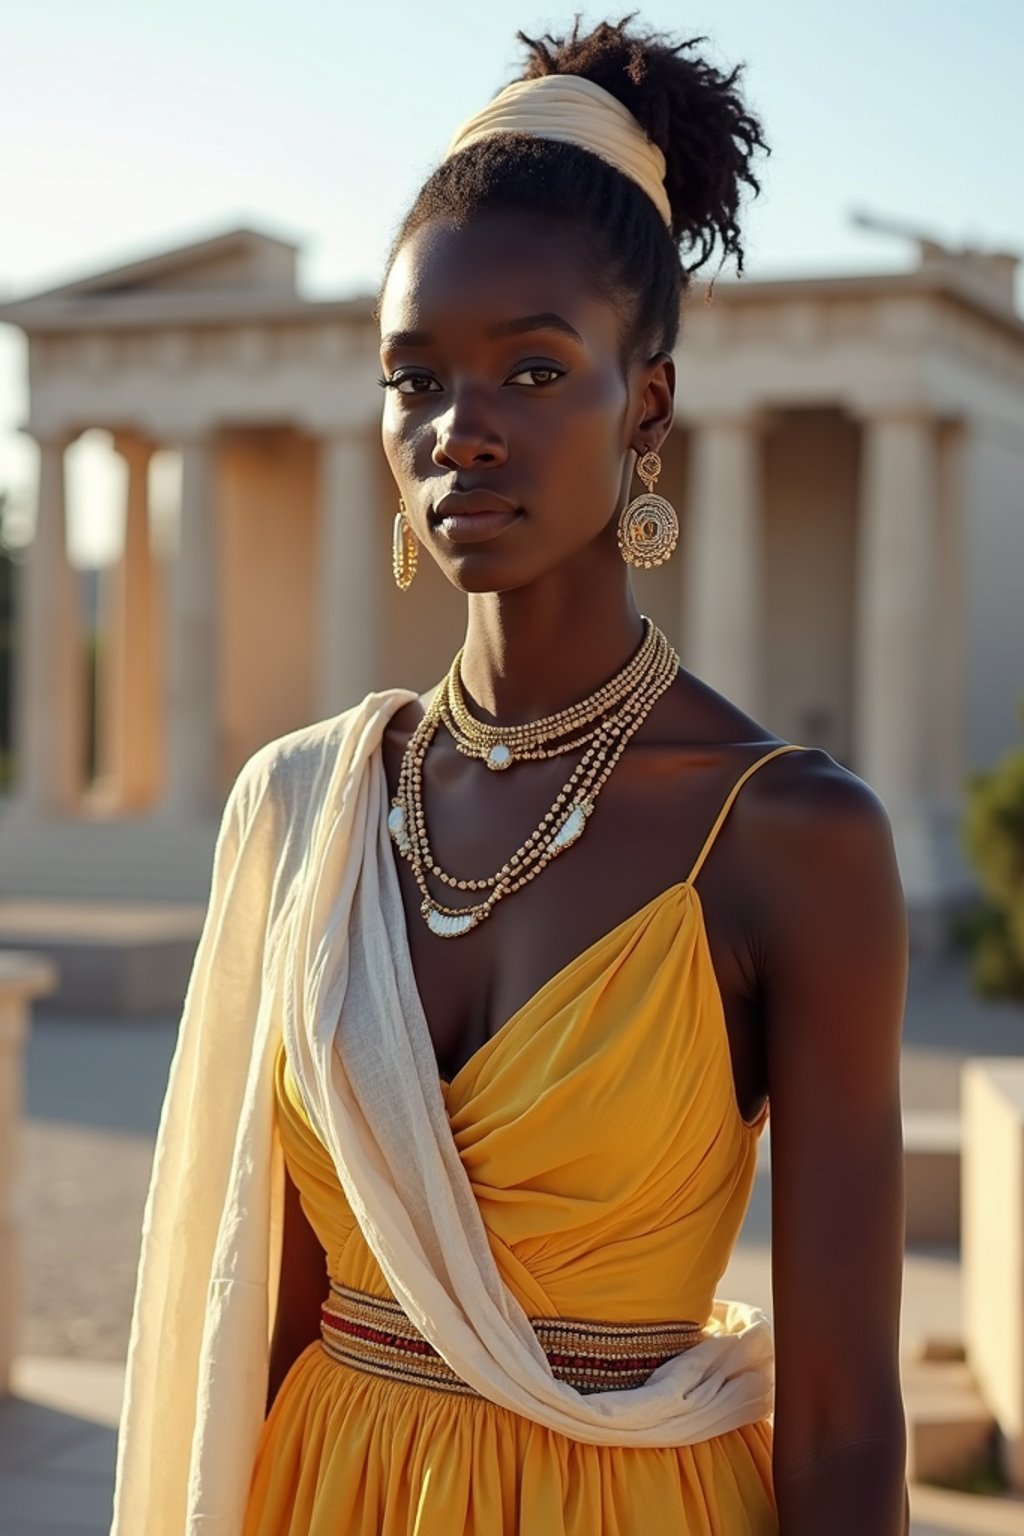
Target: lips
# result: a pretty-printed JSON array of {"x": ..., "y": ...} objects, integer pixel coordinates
[
  {"x": 472, "y": 517},
  {"x": 470, "y": 504}
]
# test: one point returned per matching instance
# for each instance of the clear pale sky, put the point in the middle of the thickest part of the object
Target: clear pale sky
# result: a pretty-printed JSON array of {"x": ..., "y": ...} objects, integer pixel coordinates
[{"x": 130, "y": 127}]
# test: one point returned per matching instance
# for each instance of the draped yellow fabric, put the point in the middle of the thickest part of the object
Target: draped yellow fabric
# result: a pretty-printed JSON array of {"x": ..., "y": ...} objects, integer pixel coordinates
[{"x": 600, "y": 1132}]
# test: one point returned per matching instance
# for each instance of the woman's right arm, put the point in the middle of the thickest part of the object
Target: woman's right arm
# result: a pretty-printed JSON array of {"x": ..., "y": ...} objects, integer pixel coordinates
[{"x": 300, "y": 1294}]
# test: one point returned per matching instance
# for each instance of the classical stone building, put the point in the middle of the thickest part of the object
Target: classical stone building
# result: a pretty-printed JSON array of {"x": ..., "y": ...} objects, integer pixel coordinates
[{"x": 847, "y": 463}]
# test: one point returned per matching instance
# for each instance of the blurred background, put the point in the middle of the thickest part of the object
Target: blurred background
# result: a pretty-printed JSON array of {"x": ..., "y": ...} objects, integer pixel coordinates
[{"x": 195, "y": 523}]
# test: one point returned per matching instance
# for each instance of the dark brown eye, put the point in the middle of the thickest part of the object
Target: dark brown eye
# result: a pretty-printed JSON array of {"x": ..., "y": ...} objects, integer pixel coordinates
[
  {"x": 397, "y": 380},
  {"x": 536, "y": 368}
]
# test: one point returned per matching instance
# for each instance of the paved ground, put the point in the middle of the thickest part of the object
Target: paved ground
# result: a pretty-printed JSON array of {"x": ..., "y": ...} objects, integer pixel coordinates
[
  {"x": 92, "y": 1102},
  {"x": 92, "y": 1099},
  {"x": 57, "y": 1446}
]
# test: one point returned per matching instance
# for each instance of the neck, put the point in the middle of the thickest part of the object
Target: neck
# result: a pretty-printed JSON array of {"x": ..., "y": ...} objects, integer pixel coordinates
[{"x": 539, "y": 649}]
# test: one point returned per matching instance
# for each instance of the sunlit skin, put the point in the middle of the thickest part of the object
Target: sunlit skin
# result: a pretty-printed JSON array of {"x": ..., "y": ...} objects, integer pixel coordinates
[{"x": 801, "y": 898}]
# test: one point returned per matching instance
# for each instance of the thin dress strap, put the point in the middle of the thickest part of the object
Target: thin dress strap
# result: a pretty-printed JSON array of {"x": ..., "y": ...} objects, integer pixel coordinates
[{"x": 788, "y": 746}]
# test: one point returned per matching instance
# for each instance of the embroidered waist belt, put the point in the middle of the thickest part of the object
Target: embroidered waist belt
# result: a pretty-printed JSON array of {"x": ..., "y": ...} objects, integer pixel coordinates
[{"x": 373, "y": 1334}]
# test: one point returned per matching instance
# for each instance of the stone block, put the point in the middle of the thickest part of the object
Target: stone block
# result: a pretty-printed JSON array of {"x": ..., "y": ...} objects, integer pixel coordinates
[
  {"x": 949, "y": 1427},
  {"x": 992, "y": 1219},
  {"x": 23, "y": 977},
  {"x": 114, "y": 959}
]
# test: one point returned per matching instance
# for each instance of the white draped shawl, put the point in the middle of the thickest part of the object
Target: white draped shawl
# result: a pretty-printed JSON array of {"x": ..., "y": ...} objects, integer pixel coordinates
[{"x": 305, "y": 936}]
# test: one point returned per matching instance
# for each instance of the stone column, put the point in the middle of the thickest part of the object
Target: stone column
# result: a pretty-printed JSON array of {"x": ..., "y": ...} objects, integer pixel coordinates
[
  {"x": 192, "y": 649},
  {"x": 948, "y": 671},
  {"x": 50, "y": 706},
  {"x": 894, "y": 590},
  {"x": 723, "y": 565},
  {"x": 129, "y": 717},
  {"x": 350, "y": 546}
]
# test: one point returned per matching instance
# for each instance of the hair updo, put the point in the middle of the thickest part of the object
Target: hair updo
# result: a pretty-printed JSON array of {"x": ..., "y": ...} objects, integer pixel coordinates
[{"x": 689, "y": 109}]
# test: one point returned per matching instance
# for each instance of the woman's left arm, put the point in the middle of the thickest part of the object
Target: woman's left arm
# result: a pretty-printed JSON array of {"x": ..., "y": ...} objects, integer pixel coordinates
[{"x": 835, "y": 972}]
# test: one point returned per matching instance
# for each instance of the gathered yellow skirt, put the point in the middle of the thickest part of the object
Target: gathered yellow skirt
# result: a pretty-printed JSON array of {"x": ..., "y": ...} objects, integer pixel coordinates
[
  {"x": 601, "y": 1136},
  {"x": 349, "y": 1454}
]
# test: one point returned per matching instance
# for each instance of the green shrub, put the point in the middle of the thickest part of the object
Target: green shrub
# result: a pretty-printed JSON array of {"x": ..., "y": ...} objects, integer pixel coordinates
[{"x": 993, "y": 833}]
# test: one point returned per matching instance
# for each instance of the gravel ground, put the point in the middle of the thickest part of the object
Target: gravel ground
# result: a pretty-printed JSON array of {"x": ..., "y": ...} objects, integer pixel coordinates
[
  {"x": 92, "y": 1095},
  {"x": 82, "y": 1193}
]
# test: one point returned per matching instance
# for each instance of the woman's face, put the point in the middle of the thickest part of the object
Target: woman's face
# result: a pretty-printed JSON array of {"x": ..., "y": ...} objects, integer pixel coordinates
[{"x": 507, "y": 419}]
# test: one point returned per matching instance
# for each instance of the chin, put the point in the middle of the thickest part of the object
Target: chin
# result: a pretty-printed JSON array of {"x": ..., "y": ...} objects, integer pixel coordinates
[{"x": 477, "y": 576}]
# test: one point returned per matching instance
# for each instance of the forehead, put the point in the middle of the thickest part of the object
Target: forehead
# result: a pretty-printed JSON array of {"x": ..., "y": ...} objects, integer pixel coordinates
[{"x": 454, "y": 281}]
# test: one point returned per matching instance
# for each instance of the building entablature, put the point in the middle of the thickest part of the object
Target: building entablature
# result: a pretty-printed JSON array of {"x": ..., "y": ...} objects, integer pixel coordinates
[
  {"x": 865, "y": 347},
  {"x": 215, "y": 334},
  {"x": 156, "y": 381}
]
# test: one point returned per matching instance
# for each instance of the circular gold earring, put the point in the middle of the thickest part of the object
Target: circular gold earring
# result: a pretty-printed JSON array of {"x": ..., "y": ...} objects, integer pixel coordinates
[
  {"x": 648, "y": 528},
  {"x": 404, "y": 549}
]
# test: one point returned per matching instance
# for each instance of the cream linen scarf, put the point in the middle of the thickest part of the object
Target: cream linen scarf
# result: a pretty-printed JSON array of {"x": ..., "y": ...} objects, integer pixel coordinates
[{"x": 305, "y": 935}]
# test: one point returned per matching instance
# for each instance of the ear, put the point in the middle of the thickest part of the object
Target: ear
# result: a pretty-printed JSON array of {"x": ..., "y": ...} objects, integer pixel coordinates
[{"x": 655, "y": 396}]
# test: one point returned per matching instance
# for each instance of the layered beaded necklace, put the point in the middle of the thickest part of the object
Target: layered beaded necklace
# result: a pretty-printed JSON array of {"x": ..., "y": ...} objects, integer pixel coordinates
[
  {"x": 501, "y": 745},
  {"x": 600, "y": 726}
]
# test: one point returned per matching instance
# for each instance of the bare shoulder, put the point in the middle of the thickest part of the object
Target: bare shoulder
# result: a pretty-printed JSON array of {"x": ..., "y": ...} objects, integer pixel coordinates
[
  {"x": 805, "y": 808},
  {"x": 799, "y": 802},
  {"x": 823, "y": 852}
]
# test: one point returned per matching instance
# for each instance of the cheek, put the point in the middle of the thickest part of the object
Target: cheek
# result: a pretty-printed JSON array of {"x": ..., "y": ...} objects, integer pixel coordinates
[
  {"x": 600, "y": 404},
  {"x": 588, "y": 432},
  {"x": 398, "y": 439}
]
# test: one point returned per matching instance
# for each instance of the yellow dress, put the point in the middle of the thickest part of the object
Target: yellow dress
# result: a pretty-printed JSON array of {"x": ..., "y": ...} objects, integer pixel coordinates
[{"x": 601, "y": 1135}]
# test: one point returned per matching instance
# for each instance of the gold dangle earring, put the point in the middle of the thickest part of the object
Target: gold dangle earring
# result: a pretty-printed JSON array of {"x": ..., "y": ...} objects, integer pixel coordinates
[
  {"x": 648, "y": 527},
  {"x": 404, "y": 549}
]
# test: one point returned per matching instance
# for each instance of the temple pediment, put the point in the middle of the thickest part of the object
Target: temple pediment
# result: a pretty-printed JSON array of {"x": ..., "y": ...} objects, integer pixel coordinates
[{"x": 237, "y": 262}]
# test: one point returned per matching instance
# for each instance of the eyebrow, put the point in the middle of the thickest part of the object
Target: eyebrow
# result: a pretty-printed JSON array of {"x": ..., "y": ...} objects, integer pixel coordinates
[{"x": 548, "y": 321}]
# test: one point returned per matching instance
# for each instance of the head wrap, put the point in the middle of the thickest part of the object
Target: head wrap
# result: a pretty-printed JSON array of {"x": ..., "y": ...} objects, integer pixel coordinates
[{"x": 577, "y": 111}]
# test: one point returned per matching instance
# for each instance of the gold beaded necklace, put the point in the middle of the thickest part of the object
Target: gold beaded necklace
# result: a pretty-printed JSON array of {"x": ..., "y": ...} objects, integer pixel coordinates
[
  {"x": 564, "y": 821},
  {"x": 502, "y": 745}
]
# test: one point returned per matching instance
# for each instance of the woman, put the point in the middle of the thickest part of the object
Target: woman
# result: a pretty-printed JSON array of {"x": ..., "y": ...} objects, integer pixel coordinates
[{"x": 519, "y": 1094}]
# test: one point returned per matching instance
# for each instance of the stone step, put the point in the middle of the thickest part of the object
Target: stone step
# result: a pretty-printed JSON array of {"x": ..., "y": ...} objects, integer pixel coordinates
[
  {"x": 113, "y": 959},
  {"x": 950, "y": 1431},
  {"x": 941, "y": 1512},
  {"x": 138, "y": 858}
]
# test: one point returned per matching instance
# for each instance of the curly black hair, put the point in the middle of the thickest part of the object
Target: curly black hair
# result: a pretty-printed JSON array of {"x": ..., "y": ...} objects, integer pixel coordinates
[{"x": 687, "y": 107}]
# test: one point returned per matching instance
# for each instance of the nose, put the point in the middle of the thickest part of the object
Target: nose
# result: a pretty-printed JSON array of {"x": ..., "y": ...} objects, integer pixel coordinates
[{"x": 467, "y": 435}]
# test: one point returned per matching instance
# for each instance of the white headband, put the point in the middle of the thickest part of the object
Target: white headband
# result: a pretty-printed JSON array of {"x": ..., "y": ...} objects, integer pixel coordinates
[{"x": 577, "y": 111}]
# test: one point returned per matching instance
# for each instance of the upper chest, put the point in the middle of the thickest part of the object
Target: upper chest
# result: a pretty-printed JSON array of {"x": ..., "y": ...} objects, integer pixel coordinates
[{"x": 649, "y": 825}]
